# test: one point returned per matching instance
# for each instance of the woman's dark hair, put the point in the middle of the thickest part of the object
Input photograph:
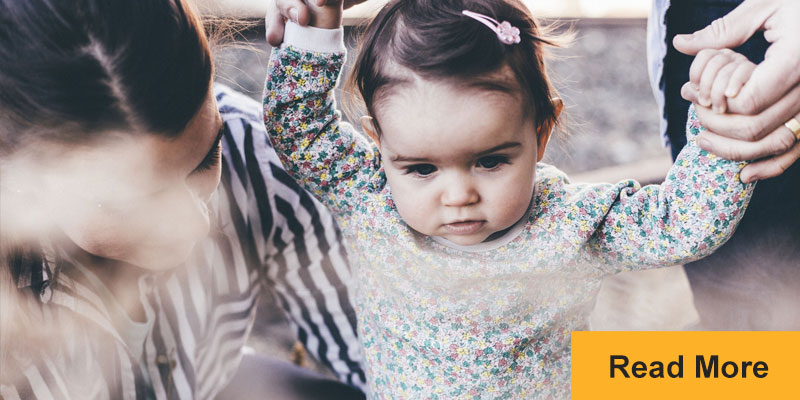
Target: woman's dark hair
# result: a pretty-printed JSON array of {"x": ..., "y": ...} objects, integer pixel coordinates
[
  {"x": 71, "y": 70},
  {"x": 433, "y": 39}
]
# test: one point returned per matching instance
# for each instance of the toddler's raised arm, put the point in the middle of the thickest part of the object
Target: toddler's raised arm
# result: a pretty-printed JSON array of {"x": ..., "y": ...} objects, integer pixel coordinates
[
  {"x": 325, "y": 155},
  {"x": 692, "y": 213}
]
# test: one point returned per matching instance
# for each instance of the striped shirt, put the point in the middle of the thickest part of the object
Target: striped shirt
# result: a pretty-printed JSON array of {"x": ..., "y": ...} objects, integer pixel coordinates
[{"x": 269, "y": 237}]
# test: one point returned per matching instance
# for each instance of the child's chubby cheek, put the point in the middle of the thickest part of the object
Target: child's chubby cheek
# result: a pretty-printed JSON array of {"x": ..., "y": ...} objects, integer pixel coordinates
[{"x": 414, "y": 203}]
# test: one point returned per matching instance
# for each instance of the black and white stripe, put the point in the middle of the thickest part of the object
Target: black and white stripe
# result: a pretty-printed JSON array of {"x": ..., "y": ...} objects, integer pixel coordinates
[{"x": 270, "y": 237}]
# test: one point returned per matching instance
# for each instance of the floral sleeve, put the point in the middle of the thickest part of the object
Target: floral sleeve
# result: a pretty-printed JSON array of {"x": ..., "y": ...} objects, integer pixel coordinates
[
  {"x": 325, "y": 155},
  {"x": 687, "y": 217}
]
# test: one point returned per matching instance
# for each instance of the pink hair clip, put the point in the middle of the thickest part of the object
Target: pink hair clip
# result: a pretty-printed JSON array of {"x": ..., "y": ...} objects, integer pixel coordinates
[{"x": 507, "y": 33}]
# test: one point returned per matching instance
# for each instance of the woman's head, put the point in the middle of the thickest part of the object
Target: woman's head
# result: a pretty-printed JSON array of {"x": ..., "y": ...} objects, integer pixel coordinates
[
  {"x": 461, "y": 118},
  {"x": 108, "y": 125}
]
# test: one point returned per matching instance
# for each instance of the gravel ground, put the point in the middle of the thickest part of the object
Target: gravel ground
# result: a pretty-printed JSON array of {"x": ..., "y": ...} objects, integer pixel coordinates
[{"x": 602, "y": 78}]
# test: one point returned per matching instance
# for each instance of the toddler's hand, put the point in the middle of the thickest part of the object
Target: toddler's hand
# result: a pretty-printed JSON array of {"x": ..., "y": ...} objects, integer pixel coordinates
[
  {"x": 719, "y": 75},
  {"x": 326, "y": 14}
]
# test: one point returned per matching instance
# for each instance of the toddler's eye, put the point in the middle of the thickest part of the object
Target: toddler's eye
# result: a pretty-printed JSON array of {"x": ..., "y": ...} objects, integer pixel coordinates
[
  {"x": 421, "y": 169},
  {"x": 491, "y": 162}
]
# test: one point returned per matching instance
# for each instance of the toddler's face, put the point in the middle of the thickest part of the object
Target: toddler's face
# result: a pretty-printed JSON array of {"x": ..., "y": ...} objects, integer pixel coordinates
[{"x": 460, "y": 162}]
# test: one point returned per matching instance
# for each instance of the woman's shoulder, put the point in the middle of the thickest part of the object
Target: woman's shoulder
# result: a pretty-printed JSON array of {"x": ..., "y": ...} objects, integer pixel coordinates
[
  {"x": 234, "y": 105},
  {"x": 252, "y": 171},
  {"x": 244, "y": 135}
]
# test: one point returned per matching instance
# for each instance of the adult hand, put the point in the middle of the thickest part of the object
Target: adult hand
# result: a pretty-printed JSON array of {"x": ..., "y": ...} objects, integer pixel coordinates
[
  {"x": 279, "y": 11},
  {"x": 754, "y": 127},
  {"x": 762, "y": 137},
  {"x": 779, "y": 71}
]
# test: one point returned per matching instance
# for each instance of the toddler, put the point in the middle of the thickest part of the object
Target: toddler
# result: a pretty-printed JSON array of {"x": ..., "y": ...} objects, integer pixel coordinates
[{"x": 474, "y": 262}]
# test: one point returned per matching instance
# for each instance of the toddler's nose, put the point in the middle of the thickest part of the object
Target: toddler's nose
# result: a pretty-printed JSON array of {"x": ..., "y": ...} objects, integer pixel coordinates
[{"x": 459, "y": 193}]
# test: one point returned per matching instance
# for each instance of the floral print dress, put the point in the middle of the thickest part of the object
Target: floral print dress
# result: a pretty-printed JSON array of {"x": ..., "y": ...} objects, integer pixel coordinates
[{"x": 439, "y": 322}]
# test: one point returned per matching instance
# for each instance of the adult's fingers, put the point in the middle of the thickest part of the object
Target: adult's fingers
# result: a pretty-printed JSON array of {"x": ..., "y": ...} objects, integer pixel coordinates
[
  {"x": 777, "y": 74},
  {"x": 276, "y": 24},
  {"x": 779, "y": 71},
  {"x": 770, "y": 167},
  {"x": 777, "y": 142},
  {"x": 295, "y": 10},
  {"x": 729, "y": 31},
  {"x": 745, "y": 127},
  {"x": 278, "y": 11}
]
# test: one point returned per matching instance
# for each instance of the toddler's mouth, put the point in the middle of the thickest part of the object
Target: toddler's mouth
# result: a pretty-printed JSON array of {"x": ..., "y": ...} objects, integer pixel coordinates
[{"x": 464, "y": 227}]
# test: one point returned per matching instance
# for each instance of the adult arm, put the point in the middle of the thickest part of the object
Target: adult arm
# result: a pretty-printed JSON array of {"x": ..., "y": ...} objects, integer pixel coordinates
[
  {"x": 754, "y": 127},
  {"x": 289, "y": 241},
  {"x": 311, "y": 278}
]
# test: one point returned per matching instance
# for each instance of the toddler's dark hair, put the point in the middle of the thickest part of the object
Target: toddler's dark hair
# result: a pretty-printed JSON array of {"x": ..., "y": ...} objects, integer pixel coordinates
[{"x": 433, "y": 39}]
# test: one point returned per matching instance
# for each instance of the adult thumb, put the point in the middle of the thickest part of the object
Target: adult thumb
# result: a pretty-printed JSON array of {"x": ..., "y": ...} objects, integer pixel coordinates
[{"x": 727, "y": 32}]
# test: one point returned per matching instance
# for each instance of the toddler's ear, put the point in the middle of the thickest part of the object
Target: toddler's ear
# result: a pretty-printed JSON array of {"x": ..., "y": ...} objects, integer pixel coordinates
[
  {"x": 369, "y": 127},
  {"x": 546, "y": 129}
]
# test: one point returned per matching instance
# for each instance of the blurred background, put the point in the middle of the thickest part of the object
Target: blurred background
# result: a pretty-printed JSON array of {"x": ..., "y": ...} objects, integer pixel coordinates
[
  {"x": 612, "y": 132},
  {"x": 542, "y": 8}
]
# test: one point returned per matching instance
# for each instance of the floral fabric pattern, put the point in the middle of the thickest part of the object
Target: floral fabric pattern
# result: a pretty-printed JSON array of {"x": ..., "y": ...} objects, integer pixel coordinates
[{"x": 441, "y": 323}]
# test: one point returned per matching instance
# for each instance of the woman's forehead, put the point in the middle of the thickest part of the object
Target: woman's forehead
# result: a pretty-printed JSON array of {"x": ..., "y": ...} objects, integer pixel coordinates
[{"x": 138, "y": 162}]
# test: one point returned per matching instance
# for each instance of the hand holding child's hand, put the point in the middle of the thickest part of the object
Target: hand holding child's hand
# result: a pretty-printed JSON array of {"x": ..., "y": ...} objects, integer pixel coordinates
[
  {"x": 719, "y": 75},
  {"x": 325, "y": 14}
]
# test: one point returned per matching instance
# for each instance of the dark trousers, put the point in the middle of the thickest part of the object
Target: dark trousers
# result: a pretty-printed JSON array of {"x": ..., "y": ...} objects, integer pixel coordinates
[{"x": 753, "y": 281}]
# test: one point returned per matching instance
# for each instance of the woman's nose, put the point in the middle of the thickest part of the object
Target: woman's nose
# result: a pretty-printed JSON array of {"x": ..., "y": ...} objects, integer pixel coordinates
[{"x": 459, "y": 191}]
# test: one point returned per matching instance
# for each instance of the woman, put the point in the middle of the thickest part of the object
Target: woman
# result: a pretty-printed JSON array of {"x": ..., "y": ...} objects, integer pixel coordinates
[{"x": 144, "y": 214}]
